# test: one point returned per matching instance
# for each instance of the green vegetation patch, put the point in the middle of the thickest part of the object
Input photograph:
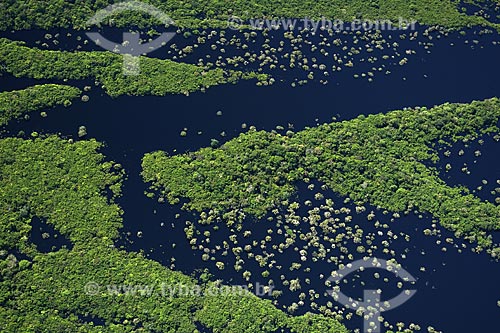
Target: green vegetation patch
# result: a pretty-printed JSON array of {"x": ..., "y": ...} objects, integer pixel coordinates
[
  {"x": 50, "y": 293},
  {"x": 15, "y": 103},
  {"x": 63, "y": 182},
  {"x": 81, "y": 290},
  {"x": 258, "y": 169},
  {"x": 157, "y": 77},
  {"x": 208, "y": 13},
  {"x": 379, "y": 159}
]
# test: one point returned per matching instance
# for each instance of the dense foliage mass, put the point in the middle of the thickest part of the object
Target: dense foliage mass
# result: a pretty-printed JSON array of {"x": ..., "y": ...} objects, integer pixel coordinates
[
  {"x": 59, "y": 181},
  {"x": 157, "y": 77},
  {"x": 65, "y": 184},
  {"x": 15, "y": 103},
  {"x": 380, "y": 159},
  {"x": 49, "y": 14}
]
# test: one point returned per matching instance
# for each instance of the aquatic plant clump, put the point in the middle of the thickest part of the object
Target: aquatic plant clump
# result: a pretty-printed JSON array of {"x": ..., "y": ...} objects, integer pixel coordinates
[
  {"x": 379, "y": 159},
  {"x": 14, "y": 104}
]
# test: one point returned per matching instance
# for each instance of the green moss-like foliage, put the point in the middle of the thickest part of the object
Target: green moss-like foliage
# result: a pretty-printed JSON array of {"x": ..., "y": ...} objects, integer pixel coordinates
[
  {"x": 49, "y": 14},
  {"x": 54, "y": 286},
  {"x": 157, "y": 77},
  {"x": 380, "y": 159},
  {"x": 61, "y": 182},
  {"x": 50, "y": 295},
  {"x": 65, "y": 183},
  {"x": 15, "y": 103},
  {"x": 237, "y": 313},
  {"x": 257, "y": 169}
]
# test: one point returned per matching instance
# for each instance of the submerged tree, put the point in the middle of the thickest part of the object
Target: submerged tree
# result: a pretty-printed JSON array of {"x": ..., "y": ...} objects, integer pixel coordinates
[{"x": 387, "y": 160}]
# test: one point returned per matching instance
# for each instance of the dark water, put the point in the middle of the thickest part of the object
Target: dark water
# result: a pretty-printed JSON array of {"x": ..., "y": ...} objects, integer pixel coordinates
[
  {"x": 490, "y": 10},
  {"x": 46, "y": 238},
  {"x": 457, "y": 293}
]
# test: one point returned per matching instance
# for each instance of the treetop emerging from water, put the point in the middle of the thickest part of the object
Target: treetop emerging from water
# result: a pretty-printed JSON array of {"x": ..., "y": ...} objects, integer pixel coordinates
[{"x": 381, "y": 159}]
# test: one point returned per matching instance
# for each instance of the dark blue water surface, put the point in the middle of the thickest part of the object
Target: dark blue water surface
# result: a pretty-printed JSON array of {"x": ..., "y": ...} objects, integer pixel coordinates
[{"x": 457, "y": 293}]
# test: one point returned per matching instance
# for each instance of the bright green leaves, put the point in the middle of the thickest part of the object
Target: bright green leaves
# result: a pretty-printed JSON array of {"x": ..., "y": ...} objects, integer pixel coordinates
[
  {"x": 62, "y": 182},
  {"x": 380, "y": 159},
  {"x": 14, "y": 103}
]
